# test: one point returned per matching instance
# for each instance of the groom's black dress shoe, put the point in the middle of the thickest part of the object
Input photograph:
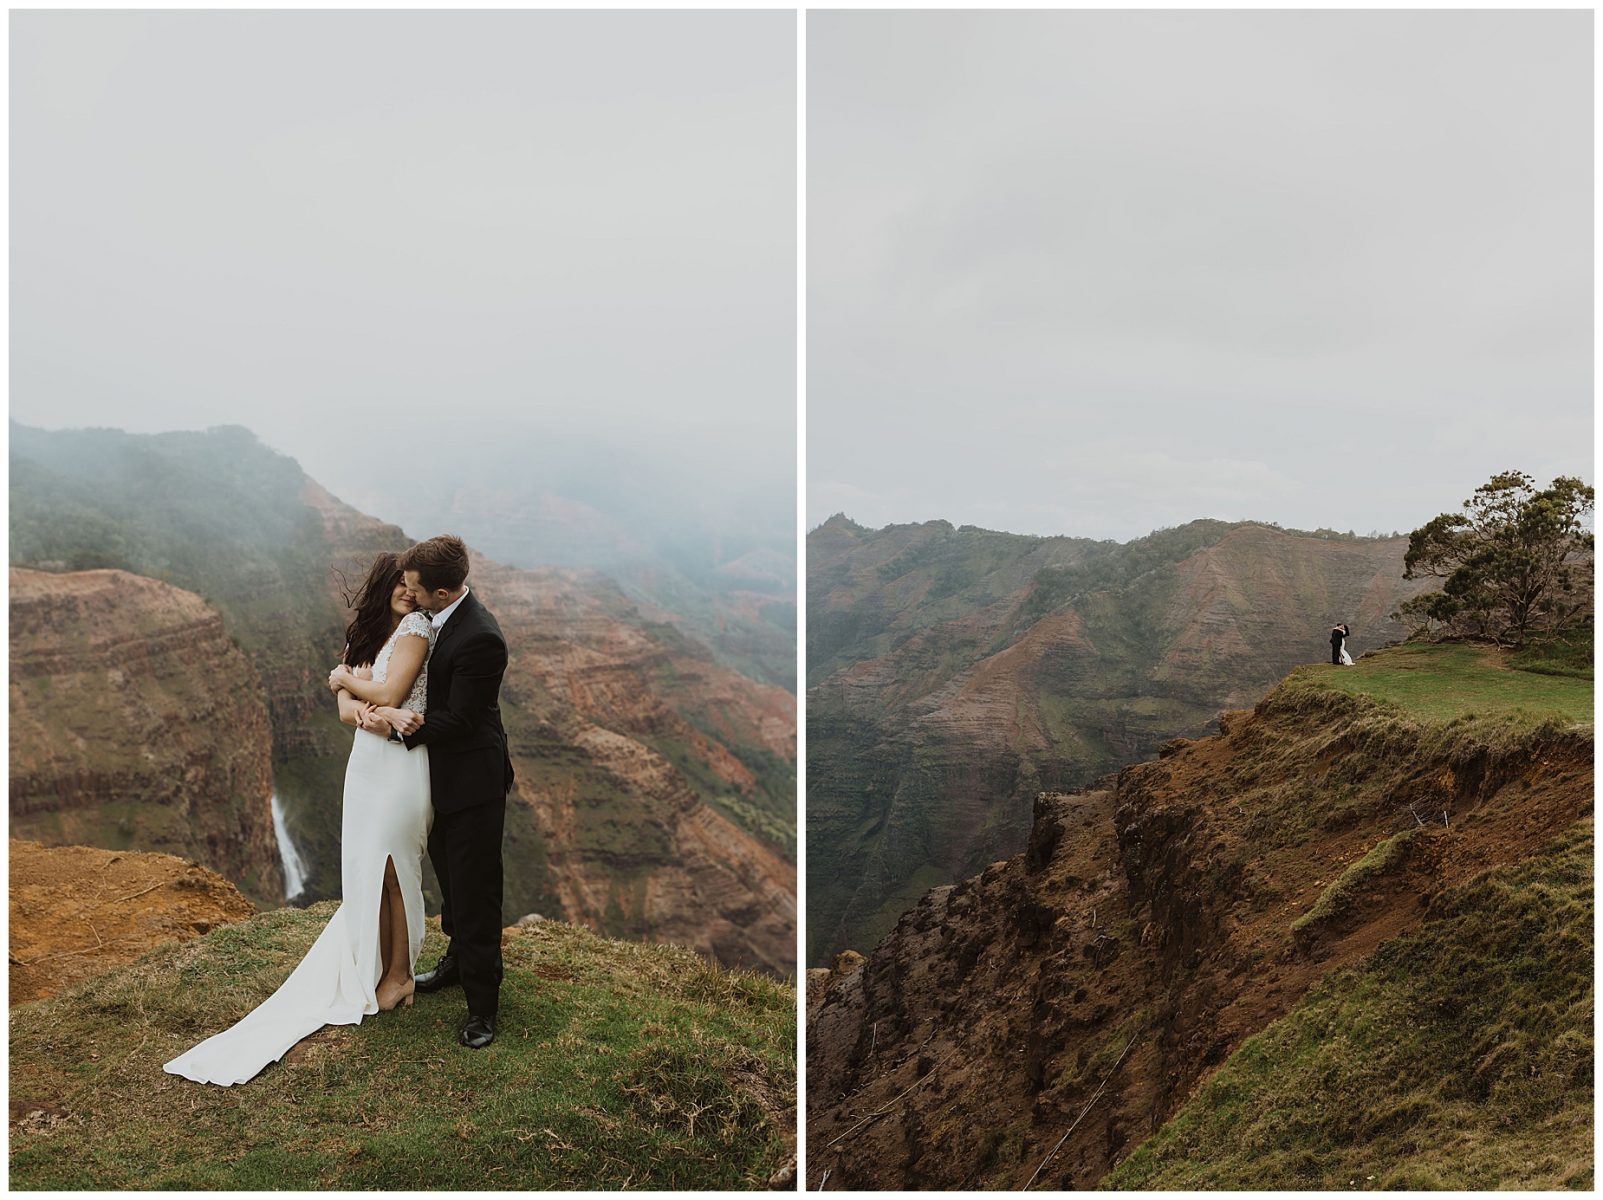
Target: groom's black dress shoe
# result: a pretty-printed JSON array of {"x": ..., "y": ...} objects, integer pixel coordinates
[
  {"x": 478, "y": 1033},
  {"x": 443, "y": 975}
]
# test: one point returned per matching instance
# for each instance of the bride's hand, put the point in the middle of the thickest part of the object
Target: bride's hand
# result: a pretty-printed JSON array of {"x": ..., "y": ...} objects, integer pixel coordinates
[
  {"x": 337, "y": 677},
  {"x": 373, "y": 722},
  {"x": 403, "y": 719},
  {"x": 362, "y": 673}
]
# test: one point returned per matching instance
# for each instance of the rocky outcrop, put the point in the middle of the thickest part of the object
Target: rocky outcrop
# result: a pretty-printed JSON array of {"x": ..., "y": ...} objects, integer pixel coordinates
[
  {"x": 137, "y": 722},
  {"x": 955, "y": 673},
  {"x": 1035, "y": 1022},
  {"x": 77, "y": 911}
]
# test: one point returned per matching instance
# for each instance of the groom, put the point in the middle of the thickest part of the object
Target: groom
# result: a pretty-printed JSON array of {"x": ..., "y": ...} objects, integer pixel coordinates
[{"x": 470, "y": 774}]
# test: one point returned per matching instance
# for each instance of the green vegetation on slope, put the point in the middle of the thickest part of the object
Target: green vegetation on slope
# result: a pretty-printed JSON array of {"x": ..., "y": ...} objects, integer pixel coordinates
[
  {"x": 1440, "y": 682},
  {"x": 1384, "y": 856},
  {"x": 1459, "y": 1056},
  {"x": 1567, "y": 654},
  {"x": 1456, "y": 1057},
  {"x": 618, "y": 1064},
  {"x": 1380, "y": 740}
]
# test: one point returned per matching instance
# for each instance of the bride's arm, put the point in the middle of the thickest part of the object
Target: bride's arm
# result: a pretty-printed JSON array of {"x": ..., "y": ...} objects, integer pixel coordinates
[
  {"x": 406, "y": 661},
  {"x": 350, "y": 708}
]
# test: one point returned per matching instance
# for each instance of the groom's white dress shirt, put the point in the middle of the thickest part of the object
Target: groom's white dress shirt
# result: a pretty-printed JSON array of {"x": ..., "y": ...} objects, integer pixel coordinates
[{"x": 444, "y": 614}]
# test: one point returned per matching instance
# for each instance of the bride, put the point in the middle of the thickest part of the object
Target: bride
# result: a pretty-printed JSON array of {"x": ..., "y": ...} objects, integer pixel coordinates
[{"x": 362, "y": 961}]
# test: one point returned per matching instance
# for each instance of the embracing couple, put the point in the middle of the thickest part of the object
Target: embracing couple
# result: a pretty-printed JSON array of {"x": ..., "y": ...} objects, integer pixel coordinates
[
  {"x": 1338, "y": 645},
  {"x": 419, "y": 680}
]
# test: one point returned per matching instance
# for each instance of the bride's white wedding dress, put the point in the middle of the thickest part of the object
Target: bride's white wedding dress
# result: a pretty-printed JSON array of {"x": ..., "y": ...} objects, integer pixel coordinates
[
  {"x": 1346, "y": 659},
  {"x": 387, "y": 814}
]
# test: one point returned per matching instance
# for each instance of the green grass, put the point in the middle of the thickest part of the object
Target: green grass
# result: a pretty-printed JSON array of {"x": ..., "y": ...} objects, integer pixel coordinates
[
  {"x": 618, "y": 1064},
  {"x": 1566, "y": 654},
  {"x": 1385, "y": 856},
  {"x": 1335, "y": 746},
  {"x": 1456, "y": 1057},
  {"x": 1441, "y": 682}
]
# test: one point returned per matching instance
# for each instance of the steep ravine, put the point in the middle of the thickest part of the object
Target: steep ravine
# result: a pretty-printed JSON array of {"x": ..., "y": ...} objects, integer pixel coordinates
[{"x": 1075, "y": 995}]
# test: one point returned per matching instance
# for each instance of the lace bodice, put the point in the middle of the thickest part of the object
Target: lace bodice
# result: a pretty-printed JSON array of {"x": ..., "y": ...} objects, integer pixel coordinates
[{"x": 416, "y": 624}]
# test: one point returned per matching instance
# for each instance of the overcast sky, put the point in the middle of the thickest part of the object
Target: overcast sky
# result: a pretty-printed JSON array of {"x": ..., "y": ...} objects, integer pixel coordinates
[
  {"x": 1101, "y": 272},
  {"x": 353, "y": 231}
]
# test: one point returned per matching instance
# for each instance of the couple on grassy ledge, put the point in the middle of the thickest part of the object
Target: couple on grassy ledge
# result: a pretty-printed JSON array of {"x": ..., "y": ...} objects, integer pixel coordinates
[{"x": 420, "y": 680}]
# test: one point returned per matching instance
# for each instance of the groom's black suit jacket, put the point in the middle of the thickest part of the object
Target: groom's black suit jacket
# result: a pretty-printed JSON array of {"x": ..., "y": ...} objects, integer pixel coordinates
[{"x": 468, "y": 759}]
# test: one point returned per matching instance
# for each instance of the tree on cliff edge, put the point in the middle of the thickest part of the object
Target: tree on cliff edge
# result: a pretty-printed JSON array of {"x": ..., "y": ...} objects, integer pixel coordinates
[{"x": 1516, "y": 562}]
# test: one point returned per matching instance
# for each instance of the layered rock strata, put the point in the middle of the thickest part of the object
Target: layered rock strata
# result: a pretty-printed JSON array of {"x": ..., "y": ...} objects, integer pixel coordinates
[
  {"x": 137, "y": 722},
  {"x": 656, "y": 788}
]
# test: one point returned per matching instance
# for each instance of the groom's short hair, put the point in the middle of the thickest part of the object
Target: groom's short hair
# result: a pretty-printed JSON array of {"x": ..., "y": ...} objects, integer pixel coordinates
[{"x": 440, "y": 562}]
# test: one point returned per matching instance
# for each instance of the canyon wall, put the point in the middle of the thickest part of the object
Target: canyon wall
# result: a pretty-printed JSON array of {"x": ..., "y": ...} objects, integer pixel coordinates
[
  {"x": 136, "y": 722},
  {"x": 955, "y": 673},
  {"x": 1035, "y": 1023},
  {"x": 656, "y": 788}
]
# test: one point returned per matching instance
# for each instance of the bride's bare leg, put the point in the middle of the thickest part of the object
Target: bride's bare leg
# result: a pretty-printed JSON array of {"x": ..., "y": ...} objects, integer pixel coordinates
[
  {"x": 395, "y": 987},
  {"x": 385, "y": 950}
]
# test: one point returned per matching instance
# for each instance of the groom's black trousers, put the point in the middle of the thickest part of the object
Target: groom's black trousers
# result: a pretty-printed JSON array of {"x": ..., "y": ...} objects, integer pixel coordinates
[{"x": 465, "y": 849}]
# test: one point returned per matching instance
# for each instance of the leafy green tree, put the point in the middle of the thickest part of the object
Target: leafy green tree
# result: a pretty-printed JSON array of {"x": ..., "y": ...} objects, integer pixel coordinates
[{"x": 1516, "y": 563}]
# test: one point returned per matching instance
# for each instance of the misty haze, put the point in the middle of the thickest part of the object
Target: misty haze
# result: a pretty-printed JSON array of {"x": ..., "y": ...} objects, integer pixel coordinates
[
  {"x": 523, "y": 276},
  {"x": 505, "y": 861}
]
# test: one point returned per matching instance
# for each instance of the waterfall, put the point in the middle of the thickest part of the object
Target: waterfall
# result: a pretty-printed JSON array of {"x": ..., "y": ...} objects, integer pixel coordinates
[{"x": 294, "y": 869}]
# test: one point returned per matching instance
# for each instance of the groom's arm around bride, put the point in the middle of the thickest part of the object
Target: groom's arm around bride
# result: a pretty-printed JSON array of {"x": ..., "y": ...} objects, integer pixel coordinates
[{"x": 478, "y": 666}]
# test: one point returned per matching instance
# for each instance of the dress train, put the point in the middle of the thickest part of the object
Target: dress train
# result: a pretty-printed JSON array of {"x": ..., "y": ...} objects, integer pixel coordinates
[{"x": 387, "y": 815}]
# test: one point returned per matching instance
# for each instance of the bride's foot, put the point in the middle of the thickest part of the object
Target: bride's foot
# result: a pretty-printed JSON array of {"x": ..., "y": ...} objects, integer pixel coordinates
[{"x": 391, "y": 994}]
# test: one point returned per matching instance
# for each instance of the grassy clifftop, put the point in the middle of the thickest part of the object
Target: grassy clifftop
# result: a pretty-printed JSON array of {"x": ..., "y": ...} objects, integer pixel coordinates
[
  {"x": 1459, "y": 1056},
  {"x": 619, "y": 1064},
  {"x": 1457, "y": 680}
]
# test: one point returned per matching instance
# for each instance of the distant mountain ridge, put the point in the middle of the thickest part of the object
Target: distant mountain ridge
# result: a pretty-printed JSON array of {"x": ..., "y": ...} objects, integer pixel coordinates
[
  {"x": 655, "y": 794},
  {"x": 954, "y": 673}
]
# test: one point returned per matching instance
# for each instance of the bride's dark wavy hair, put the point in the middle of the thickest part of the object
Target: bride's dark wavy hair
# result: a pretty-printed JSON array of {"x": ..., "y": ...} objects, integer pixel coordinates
[{"x": 373, "y": 623}]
